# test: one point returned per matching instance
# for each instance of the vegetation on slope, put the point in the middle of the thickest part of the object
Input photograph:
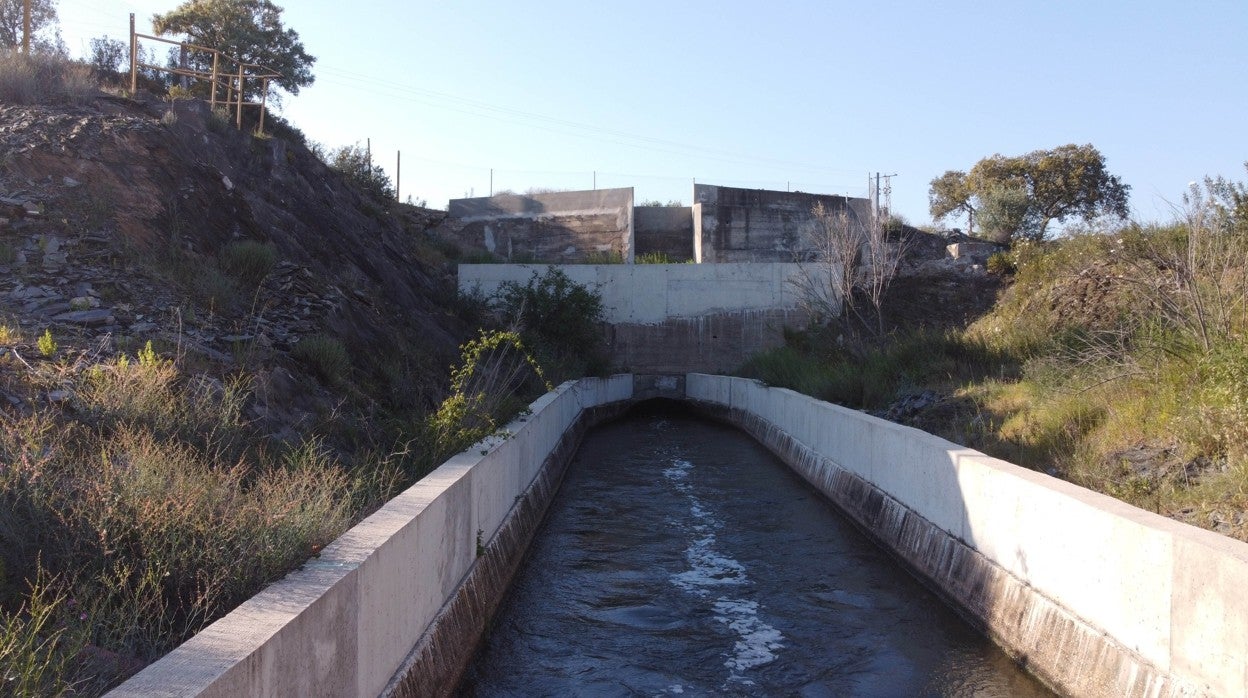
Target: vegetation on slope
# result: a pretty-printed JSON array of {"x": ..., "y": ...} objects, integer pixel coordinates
[
  {"x": 209, "y": 373},
  {"x": 1116, "y": 359}
]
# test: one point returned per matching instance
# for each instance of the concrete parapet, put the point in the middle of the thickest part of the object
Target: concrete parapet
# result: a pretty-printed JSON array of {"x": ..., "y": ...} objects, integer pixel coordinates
[
  {"x": 1093, "y": 595},
  {"x": 397, "y": 604}
]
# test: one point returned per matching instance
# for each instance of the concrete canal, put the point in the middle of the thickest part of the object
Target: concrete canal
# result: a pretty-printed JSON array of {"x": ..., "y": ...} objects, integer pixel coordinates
[{"x": 681, "y": 557}]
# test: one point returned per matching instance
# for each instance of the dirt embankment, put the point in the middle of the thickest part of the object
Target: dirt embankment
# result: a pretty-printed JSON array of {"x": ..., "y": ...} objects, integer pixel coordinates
[{"x": 125, "y": 221}]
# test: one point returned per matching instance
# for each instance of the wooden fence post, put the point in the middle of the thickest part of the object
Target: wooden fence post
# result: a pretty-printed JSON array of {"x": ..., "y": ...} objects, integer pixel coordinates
[
  {"x": 216, "y": 57},
  {"x": 134, "y": 59},
  {"x": 26, "y": 29},
  {"x": 238, "y": 119},
  {"x": 264, "y": 98}
]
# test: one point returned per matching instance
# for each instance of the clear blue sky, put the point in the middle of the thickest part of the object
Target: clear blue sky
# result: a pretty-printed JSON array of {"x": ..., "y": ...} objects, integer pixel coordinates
[{"x": 813, "y": 95}]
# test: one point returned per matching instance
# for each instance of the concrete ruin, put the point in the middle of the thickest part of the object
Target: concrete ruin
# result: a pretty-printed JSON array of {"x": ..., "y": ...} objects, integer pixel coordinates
[
  {"x": 757, "y": 225},
  {"x": 724, "y": 224},
  {"x": 566, "y": 227}
]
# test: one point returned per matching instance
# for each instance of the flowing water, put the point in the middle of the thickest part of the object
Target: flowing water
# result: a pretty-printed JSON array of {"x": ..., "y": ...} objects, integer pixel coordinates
[{"x": 681, "y": 558}]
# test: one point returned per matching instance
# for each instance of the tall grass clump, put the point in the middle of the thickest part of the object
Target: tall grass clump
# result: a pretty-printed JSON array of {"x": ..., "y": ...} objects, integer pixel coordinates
[
  {"x": 248, "y": 261},
  {"x": 43, "y": 78},
  {"x": 158, "y": 510},
  {"x": 325, "y": 355},
  {"x": 496, "y": 378}
]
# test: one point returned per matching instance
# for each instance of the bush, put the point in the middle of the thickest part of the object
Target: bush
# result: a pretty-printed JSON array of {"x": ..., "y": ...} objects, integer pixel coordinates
[
  {"x": 43, "y": 79},
  {"x": 354, "y": 164},
  {"x": 47, "y": 345},
  {"x": 559, "y": 318},
  {"x": 1000, "y": 263},
  {"x": 248, "y": 261},
  {"x": 325, "y": 355}
]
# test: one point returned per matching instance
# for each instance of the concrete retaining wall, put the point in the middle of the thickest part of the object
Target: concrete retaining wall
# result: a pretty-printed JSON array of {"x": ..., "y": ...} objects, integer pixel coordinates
[
  {"x": 1094, "y": 596},
  {"x": 676, "y": 318},
  {"x": 664, "y": 229},
  {"x": 756, "y": 225},
  {"x": 564, "y": 227},
  {"x": 396, "y": 605}
]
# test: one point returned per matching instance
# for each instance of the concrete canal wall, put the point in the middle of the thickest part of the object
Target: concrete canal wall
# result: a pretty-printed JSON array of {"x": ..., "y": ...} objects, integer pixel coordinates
[
  {"x": 1096, "y": 597},
  {"x": 397, "y": 605},
  {"x": 675, "y": 318}
]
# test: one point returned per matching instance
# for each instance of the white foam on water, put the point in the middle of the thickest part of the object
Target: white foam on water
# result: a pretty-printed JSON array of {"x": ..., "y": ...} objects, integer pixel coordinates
[
  {"x": 708, "y": 569},
  {"x": 757, "y": 639}
]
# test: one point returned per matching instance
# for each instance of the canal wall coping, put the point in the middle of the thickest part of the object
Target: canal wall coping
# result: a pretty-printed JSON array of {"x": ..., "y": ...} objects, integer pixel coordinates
[
  {"x": 353, "y": 621},
  {"x": 1093, "y": 595}
]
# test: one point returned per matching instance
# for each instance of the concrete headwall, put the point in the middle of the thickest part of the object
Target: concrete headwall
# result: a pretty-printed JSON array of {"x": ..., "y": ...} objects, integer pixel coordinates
[
  {"x": 563, "y": 227},
  {"x": 676, "y": 318},
  {"x": 664, "y": 229},
  {"x": 1095, "y": 596},
  {"x": 757, "y": 225},
  {"x": 397, "y": 604}
]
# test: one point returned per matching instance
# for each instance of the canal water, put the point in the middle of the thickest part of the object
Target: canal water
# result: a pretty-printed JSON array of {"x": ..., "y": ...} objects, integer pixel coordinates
[{"x": 681, "y": 558}]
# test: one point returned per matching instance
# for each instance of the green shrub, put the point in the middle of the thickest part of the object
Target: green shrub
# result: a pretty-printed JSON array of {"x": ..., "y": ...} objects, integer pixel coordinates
[
  {"x": 325, "y": 355},
  {"x": 248, "y": 261},
  {"x": 607, "y": 257},
  {"x": 559, "y": 318},
  {"x": 659, "y": 258},
  {"x": 1000, "y": 263},
  {"x": 47, "y": 345}
]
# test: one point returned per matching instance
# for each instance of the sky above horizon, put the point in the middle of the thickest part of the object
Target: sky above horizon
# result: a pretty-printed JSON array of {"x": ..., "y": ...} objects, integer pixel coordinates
[{"x": 800, "y": 95}]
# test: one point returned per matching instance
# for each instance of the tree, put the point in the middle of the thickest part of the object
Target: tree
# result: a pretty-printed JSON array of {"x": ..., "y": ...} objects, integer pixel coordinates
[
  {"x": 848, "y": 261},
  {"x": 950, "y": 195},
  {"x": 249, "y": 30},
  {"x": 1024, "y": 194},
  {"x": 43, "y": 24},
  {"x": 354, "y": 163},
  {"x": 109, "y": 55}
]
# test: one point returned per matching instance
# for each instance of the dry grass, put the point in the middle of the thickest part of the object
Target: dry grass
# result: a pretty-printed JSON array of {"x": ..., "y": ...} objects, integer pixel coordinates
[
  {"x": 154, "y": 514},
  {"x": 44, "y": 79}
]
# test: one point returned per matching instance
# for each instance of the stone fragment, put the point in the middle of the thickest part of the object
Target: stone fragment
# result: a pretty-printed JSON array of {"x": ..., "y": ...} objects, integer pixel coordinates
[{"x": 88, "y": 318}]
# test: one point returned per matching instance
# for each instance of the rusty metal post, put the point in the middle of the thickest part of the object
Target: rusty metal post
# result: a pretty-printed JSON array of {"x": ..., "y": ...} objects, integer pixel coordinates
[
  {"x": 238, "y": 118},
  {"x": 134, "y": 59},
  {"x": 264, "y": 98},
  {"x": 216, "y": 58}
]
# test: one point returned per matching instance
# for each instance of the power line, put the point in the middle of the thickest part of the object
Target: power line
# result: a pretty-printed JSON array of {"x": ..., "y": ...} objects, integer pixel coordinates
[{"x": 442, "y": 100}]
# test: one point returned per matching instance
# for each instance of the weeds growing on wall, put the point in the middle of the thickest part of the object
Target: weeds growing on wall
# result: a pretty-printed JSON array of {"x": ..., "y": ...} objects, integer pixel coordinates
[{"x": 496, "y": 378}]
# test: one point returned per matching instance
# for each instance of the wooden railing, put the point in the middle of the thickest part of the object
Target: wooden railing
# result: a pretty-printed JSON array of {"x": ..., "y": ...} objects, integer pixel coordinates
[{"x": 228, "y": 74}]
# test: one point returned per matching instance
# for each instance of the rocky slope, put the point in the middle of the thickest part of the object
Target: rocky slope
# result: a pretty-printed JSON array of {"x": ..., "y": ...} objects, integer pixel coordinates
[{"x": 125, "y": 221}]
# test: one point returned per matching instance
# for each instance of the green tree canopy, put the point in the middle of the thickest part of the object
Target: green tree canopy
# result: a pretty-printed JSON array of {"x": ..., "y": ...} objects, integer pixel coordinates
[
  {"x": 1020, "y": 196},
  {"x": 950, "y": 195},
  {"x": 250, "y": 30},
  {"x": 43, "y": 24}
]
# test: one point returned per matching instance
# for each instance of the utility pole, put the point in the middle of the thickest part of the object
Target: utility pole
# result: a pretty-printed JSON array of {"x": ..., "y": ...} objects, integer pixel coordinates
[
  {"x": 398, "y": 174},
  {"x": 26, "y": 28},
  {"x": 888, "y": 191},
  {"x": 491, "y": 181}
]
